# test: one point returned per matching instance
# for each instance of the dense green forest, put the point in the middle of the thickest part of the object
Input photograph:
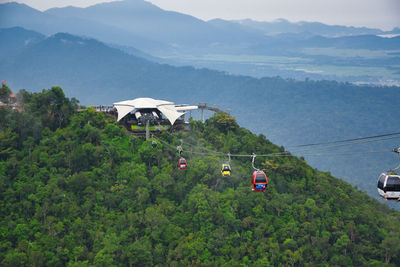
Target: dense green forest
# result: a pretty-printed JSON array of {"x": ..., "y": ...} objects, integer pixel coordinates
[{"x": 77, "y": 190}]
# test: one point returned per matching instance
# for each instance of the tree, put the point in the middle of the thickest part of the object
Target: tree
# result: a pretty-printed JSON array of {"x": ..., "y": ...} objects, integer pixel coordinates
[
  {"x": 7, "y": 143},
  {"x": 89, "y": 194},
  {"x": 15, "y": 258},
  {"x": 341, "y": 243},
  {"x": 52, "y": 106},
  {"x": 391, "y": 246},
  {"x": 5, "y": 92}
]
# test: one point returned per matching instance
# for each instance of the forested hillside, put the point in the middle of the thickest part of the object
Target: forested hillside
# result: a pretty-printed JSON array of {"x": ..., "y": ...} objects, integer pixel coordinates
[{"x": 76, "y": 189}]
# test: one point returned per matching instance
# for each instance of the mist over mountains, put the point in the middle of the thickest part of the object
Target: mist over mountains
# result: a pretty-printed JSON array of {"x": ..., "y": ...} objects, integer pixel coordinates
[
  {"x": 133, "y": 23},
  {"x": 145, "y": 26},
  {"x": 280, "y": 48}
]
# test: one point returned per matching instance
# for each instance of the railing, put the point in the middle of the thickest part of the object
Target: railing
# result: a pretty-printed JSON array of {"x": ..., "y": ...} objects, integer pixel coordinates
[{"x": 212, "y": 108}]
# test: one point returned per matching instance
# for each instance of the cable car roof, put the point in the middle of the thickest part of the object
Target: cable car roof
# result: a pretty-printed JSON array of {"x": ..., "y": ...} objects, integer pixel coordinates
[{"x": 165, "y": 107}]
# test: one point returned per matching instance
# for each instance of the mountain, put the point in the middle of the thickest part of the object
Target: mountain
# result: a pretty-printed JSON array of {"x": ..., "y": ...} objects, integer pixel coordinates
[
  {"x": 73, "y": 62},
  {"x": 140, "y": 24},
  {"x": 141, "y": 18},
  {"x": 294, "y": 50},
  {"x": 77, "y": 189},
  {"x": 369, "y": 42},
  {"x": 14, "y": 14},
  {"x": 316, "y": 28},
  {"x": 290, "y": 112},
  {"x": 17, "y": 40},
  {"x": 182, "y": 31},
  {"x": 134, "y": 23},
  {"x": 298, "y": 50}
]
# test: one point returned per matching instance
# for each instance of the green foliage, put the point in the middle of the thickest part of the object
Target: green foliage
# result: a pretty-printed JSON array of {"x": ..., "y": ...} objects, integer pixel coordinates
[
  {"x": 52, "y": 106},
  {"x": 88, "y": 194},
  {"x": 5, "y": 91}
]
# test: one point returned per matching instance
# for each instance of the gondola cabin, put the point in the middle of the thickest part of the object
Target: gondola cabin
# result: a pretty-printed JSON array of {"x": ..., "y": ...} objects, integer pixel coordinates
[
  {"x": 389, "y": 186},
  {"x": 226, "y": 169},
  {"x": 259, "y": 181},
  {"x": 182, "y": 164}
]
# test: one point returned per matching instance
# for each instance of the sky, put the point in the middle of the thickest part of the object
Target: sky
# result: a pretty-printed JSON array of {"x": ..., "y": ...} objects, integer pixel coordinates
[{"x": 383, "y": 14}]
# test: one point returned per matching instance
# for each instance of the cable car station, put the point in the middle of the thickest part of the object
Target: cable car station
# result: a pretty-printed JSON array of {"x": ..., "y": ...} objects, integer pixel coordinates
[{"x": 147, "y": 115}]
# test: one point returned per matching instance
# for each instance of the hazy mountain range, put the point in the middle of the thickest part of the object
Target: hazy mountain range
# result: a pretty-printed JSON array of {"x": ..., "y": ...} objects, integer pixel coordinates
[
  {"x": 145, "y": 26},
  {"x": 316, "y": 28},
  {"x": 291, "y": 50}
]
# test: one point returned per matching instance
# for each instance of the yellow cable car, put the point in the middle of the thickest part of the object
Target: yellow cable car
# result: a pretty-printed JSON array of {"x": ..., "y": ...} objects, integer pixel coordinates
[{"x": 226, "y": 169}]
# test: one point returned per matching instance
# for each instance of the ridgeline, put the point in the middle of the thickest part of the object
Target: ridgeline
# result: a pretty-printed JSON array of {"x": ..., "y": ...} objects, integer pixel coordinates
[{"x": 78, "y": 190}]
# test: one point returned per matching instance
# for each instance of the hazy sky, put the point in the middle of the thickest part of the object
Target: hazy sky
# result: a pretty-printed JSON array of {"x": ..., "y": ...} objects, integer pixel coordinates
[{"x": 384, "y": 14}]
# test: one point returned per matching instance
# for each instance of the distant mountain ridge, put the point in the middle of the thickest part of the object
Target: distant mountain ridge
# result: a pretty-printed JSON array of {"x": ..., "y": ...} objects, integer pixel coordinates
[
  {"x": 20, "y": 37},
  {"x": 15, "y": 14},
  {"x": 317, "y": 28},
  {"x": 71, "y": 61},
  {"x": 139, "y": 17},
  {"x": 140, "y": 24}
]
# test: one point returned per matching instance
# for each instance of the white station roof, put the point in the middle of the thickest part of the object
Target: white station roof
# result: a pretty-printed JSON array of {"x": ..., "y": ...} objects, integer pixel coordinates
[{"x": 165, "y": 107}]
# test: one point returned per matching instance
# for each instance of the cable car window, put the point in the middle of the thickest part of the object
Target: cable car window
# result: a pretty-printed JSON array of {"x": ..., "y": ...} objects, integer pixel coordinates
[
  {"x": 381, "y": 181},
  {"x": 183, "y": 161},
  {"x": 393, "y": 184},
  {"x": 226, "y": 168},
  {"x": 260, "y": 178}
]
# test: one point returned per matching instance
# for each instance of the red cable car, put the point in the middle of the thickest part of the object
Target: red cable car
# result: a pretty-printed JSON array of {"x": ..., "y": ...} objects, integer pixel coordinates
[
  {"x": 259, "y": 181},
  {"x": 182, "y": 164}
]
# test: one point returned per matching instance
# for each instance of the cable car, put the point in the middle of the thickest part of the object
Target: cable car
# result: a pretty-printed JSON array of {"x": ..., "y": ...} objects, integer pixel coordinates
[
  {"x": 389, "y": 186},
  {"x": 182, "y": 164},
  {"x": 259, "y": 181},
  {"x": 226, "y": 169}
]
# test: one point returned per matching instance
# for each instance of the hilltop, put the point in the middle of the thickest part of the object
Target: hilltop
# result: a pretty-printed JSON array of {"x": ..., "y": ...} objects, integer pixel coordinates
[
  {"x": 290, "y": 112},
  {"x": 77, "y": 189}
]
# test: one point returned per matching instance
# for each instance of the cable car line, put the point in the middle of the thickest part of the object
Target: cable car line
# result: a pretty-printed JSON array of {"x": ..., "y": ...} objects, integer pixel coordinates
[
  {"x": 396, "y": 150},
  {"x": 281, "y": 154},
  {"x": 346, "y": 140},
  {"x": 204, "y": 148},
  {"x": 347, "y": 153},
  {"x": 288, "y": 153},
  {"x": 340, "y": 145},
  {"x": 388, "y": 182},
  {"x": 314, "y": 154}
]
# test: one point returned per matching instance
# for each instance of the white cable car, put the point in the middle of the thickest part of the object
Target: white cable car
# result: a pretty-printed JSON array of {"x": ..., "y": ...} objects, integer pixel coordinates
[
  {"x": 389, "y": 183},
  {"x": 389, "y": 186}
]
